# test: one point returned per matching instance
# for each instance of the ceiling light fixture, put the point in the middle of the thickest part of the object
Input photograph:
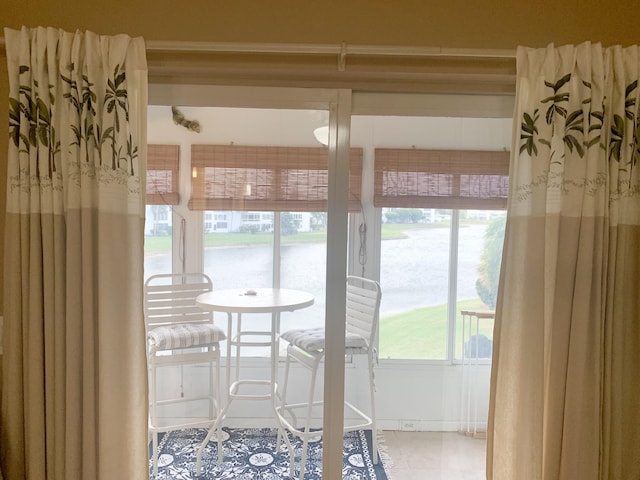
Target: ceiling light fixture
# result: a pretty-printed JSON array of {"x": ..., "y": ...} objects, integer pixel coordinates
[{"x": 322, "y": 135}]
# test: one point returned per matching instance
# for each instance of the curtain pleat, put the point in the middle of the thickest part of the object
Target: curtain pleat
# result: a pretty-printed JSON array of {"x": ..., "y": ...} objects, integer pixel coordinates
[
  {"x": 567, "y": 338},
  {"x": 74, "y": 389}
]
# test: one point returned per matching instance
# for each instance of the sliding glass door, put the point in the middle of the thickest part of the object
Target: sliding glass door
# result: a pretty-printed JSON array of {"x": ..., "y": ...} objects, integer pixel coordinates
[
  {"x": 241, "y": 188},
  {"x": 409, "y": 190}
]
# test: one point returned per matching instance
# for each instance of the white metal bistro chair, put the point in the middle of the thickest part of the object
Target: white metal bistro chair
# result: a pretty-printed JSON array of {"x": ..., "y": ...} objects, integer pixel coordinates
[
  {"x": 307, "y": 347},
  {"x": 179, "y": 333}
]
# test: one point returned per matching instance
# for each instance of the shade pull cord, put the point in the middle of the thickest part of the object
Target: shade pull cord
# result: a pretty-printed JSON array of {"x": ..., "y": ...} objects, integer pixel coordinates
[
  {"x": 181, "y": 381},
  {"x": 362, "y": 256},
  {"x": 181, "y": 246},
  {"x": 183, "y": 229}
]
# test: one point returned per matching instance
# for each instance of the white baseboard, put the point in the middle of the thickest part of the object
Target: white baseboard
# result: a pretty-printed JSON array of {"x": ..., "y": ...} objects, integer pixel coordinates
[
  {"x": 383, "y": 424},
  {"x": 424, "y": 425}
]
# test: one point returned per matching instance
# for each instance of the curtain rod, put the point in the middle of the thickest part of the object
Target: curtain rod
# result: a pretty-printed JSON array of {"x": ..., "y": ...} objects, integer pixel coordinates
[
  {"x": 320, "y": 49},
  {"x": 342, "y": 49}
]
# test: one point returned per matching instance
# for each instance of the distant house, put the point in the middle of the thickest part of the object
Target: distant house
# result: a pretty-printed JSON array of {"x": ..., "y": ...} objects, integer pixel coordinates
[{"x": 158, "y": 221}]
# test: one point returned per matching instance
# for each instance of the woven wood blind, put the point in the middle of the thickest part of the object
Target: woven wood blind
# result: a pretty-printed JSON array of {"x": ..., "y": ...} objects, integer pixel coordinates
[
  {"x": 279, "y": 179},
  {"x": 456, "y": 179},
  {"x": 162, "y": 174}
]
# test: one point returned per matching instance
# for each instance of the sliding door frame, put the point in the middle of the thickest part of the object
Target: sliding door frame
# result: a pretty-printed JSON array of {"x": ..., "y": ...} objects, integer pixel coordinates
[{"x": 338, "y": 103}]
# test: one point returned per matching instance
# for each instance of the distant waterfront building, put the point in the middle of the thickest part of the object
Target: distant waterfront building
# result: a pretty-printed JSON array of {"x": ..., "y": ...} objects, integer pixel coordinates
[{"x": 159, "y": 221}]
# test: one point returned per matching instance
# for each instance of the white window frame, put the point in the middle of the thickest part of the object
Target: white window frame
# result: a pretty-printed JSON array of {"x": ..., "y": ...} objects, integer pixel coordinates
[{"x": 428, "y": 105}]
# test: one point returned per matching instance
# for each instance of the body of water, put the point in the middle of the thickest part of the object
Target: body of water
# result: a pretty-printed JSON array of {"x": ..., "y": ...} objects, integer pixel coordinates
[{"x": 413, "y": 270}]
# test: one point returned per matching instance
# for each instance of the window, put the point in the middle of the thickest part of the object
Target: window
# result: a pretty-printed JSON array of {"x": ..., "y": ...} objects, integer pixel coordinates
[
  {"x": 480, "y": 239},
  {"x": 163, "y": 174},
  {"x": 292, "y": 243},
  {"x": 163, "y": 215},
  {"x": 440, "y": 283},
  {"x": 250, "y": 217},
  {"x": 436, "y": 193},
  {"x": 163, "y": 163},
  {"x": 435, "y": 204},
  {"x": 267, "y": 203},
  {"x": 248, "y": 179}
]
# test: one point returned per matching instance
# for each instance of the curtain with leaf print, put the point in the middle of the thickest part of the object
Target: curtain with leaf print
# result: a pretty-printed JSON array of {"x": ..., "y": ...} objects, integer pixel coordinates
[
  {"x": 565, "y": 391},
  {"x": 74, "y": 383}
]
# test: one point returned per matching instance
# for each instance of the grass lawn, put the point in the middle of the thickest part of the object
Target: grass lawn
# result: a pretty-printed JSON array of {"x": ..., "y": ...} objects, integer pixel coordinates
[
  {"x": 163, "y": 243},
  {"x": 422, "y": 333}
]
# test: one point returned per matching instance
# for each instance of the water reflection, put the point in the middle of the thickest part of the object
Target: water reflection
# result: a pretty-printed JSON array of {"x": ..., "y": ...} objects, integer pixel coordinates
[{"x": 414, "y": 271}]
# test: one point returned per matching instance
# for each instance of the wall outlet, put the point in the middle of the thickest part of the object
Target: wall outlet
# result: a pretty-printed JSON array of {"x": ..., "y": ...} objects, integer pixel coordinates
[{"x": 408, "y": 425}]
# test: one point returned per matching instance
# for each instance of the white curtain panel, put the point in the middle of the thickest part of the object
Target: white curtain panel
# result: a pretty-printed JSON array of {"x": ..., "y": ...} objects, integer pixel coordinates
[
  {"x": 565, "y": 391},
  {"x": 74, "y": 386}
]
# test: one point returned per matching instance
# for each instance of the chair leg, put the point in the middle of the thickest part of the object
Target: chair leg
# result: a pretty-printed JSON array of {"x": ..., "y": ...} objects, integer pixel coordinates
[
  {"x": 283, "y": 400},
  {"x": 215, "y": 405},
  {"x": 153, "y": 415},
  {"x": 304, "y": 431},
  {"x": 152, "y": 395},
  {"x": 312, "y": 391},
  {"x": 218, "y": 412},
  {"x": 212, "y": 401},
  {"x": 307, "y": 426},
  {"x": 155, "y": 454},
  {"x": 238, "y": 330},
  {"x": 372, "y": 391},
  {"x": 282, "y": 435},
  {"x": 303, "y": 457},
  {"x": 215, "y": 429}
]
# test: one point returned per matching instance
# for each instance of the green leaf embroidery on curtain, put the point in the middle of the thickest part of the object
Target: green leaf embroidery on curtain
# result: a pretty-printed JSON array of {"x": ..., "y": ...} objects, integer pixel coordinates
[
  {"x": 574, "y": 123},
  {"x": 40, "y": 130},
  {"x": 631, "y": 115},
  {"x": 556, "y": 99},
  {"x": 132, "y": 153},
  {"x": 529, "y": 131},
  {"x": 116, "y": 100},
  {"x": 595, "y": 123},
  {"x": 84, "y": 108},
  {"x": 574, "y": 137},
  {"x": 630, "y": 101},
  {"x": 14, "y": 121},
  {"x": 624, "y": 132},
  {"x": 30, "y": 105},
  {"x": 617, "y": 136}
]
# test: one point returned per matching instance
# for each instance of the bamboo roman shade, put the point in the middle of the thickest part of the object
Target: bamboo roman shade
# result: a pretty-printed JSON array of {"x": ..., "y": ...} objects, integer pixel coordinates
[
  {"x": 452, "y": 179},
  {"x": 162, "y": 174},
  {"x": 278, "y": 179}
]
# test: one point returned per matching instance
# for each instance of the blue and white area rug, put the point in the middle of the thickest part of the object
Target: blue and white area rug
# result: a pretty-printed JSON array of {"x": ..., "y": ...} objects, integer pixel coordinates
[{"x": 249, "y": 454}]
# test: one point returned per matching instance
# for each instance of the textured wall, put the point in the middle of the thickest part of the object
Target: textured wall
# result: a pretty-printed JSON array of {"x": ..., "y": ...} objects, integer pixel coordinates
[{"x": 449, "y": 23}]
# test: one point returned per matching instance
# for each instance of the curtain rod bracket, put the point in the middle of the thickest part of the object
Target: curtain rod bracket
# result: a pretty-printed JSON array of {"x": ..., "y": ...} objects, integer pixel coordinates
[{"x": 342, "y": 59}]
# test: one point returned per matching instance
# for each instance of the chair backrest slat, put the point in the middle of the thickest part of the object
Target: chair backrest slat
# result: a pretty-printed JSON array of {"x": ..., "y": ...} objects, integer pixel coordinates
[
  {"x": 170, "y": 298},
  {"x": 363, "y": 306}
]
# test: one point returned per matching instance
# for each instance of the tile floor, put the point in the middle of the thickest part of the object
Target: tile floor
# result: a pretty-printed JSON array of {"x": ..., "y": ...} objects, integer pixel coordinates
[{"x": 435, "y": 456}]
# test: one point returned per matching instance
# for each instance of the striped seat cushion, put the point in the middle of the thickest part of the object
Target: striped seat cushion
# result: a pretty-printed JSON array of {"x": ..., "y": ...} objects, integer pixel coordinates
[
  {"x": 184, "y": 336},
  {"x": 312, "y": 339}
]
